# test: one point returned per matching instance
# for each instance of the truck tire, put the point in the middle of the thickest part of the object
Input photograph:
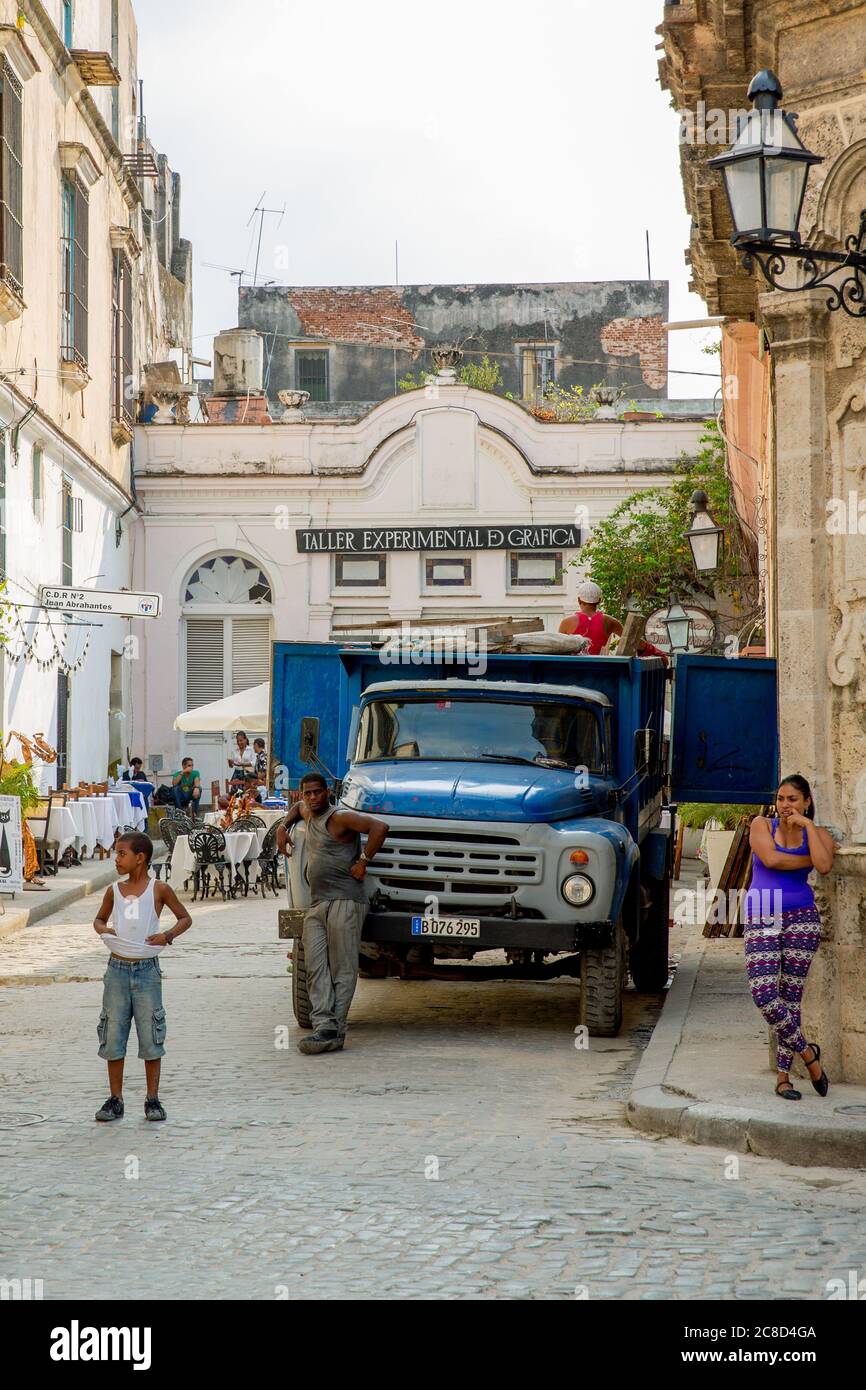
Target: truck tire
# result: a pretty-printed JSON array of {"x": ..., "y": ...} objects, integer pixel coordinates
[
  {"x": 602, "y": 979},
  {"x": 648, "y": 960},
  {"x": 300, "y": 997}
]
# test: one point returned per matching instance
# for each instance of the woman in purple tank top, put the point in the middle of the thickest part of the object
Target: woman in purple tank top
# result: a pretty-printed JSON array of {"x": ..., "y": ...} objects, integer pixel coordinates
[{"x": 783, "y": 927}]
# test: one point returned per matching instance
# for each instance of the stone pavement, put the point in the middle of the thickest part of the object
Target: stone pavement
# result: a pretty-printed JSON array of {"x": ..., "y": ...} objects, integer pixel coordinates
[
  {"x": 460, "y": 1147},
  {"x": 706, "y": 1075}
]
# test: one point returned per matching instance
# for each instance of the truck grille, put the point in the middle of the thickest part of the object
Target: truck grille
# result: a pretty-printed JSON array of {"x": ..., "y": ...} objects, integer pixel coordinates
[{"x": 438, "y": 862}]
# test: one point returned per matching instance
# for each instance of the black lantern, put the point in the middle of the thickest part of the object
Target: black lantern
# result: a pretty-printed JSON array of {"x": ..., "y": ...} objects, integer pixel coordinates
[
  {"x": 765, "y": 173},
  {"x": 678, "y": 625},
  {"x": 705, "y": 536},
  {"x": 766, "y": 168}
]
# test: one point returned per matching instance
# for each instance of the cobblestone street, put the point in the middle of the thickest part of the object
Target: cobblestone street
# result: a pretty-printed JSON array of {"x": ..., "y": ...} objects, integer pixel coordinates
[{"x": 460, "y": 1147}]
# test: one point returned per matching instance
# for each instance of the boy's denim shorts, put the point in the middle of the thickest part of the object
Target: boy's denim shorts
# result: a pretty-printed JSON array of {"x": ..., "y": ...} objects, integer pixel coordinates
[{"x": 132, "y": 989}]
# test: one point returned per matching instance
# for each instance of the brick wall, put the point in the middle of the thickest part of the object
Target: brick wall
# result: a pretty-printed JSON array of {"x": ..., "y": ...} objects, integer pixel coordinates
[
  {"x": 645, "y": 338},
  {"x": 347, "y": 315}
]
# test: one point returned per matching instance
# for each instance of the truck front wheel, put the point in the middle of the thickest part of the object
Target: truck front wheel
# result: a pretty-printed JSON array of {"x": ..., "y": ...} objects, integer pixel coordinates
[
  {"x": 300, "y": 997},
  {"x": 602, "y": 978}
]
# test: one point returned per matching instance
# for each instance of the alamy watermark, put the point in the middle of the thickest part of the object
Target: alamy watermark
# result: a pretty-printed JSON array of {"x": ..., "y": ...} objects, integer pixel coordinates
[{"x": 436, "y": 646}]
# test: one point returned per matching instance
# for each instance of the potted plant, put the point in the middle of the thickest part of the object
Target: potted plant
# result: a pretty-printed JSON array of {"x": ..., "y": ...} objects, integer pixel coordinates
[{"x": 719, "y": 822}]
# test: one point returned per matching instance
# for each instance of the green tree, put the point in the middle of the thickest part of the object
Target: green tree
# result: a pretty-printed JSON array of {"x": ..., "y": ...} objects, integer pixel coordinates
[{"x": 640, "y": 550}]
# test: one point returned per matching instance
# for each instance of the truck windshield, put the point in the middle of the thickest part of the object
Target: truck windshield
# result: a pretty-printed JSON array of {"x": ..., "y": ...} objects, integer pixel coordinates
[{"x": 467, "y": 730}]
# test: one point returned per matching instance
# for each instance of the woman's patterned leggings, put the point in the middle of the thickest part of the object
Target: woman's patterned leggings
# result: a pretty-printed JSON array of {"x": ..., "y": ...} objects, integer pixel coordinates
[{"x": 779, "y": 951}]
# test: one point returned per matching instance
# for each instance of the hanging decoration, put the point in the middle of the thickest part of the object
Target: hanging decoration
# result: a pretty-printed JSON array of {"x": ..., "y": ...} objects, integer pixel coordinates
[{"x": 29, "y": 653}]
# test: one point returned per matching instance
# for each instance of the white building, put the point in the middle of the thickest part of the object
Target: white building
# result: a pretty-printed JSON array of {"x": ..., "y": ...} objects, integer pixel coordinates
[
  {"x": 95, "y": 283},
  {"x": 429, "y": 507}
]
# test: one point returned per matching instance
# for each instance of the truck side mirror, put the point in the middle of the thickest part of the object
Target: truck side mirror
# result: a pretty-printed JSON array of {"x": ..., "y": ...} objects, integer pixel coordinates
[{"x": 309, "y": 739}]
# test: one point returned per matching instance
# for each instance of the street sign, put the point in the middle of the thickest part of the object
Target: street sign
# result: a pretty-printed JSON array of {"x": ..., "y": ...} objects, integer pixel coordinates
[
  {"x": 703, "y": 628},
  {"x": 11, "y": 846},
  {"x": 116, "y": 603}
]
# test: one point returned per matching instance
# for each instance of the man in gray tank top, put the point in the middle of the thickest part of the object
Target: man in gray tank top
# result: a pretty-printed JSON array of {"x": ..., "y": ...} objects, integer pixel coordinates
[{"x": 332, "y": 925}]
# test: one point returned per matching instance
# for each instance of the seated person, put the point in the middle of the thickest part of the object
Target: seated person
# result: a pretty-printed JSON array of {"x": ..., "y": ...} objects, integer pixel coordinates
[
  {"x": 243, "y": 765},
  {"x": 186, "y": 786},
  {"x": 134, "y": 773}
]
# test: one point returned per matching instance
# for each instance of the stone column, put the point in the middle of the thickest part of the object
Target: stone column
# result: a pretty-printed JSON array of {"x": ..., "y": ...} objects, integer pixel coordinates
[{"x": 834, "y": 1004}]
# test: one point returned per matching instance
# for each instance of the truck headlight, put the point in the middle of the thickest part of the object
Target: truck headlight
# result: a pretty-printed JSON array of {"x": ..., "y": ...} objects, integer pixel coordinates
[{"x": 578, "y": 890}]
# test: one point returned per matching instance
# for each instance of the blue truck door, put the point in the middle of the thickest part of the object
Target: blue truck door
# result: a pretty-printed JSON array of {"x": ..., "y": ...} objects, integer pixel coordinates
[
  {"x": 724, "y": 730},
  {"x": 308, "y": 678}
]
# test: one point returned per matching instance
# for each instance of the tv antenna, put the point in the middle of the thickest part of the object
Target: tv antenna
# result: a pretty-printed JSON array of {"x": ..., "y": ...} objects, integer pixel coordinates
[{"x": 259, "y": 211}]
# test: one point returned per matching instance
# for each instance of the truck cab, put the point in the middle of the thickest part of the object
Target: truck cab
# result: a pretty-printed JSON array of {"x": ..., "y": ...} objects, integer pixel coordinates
[{"x": 527, "y": 813}]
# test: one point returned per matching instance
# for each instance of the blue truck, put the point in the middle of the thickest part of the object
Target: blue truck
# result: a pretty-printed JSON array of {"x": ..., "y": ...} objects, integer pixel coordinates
[{"x": 532, "y": 808}]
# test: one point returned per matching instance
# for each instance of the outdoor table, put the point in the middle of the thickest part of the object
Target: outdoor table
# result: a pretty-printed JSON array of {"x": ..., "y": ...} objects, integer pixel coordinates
[
  {"x": 106, "y": 818},
  {"x": 84, "y": 819},
  {"x": 146, "y": 789},
  {"x": 131, "y": 808},
  {"x": 62, "y": 830},
  {"x": 241, "y": 846}
]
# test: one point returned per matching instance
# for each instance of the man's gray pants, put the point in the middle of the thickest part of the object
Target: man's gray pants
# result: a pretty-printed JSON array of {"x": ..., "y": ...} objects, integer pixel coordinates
[{"x": 332, "y": 938}]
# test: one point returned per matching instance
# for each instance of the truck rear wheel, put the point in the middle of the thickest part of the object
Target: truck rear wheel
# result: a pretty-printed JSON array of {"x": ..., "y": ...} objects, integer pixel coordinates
[
  {"x": 602, "y": 978},
  {"x": 648, "y": 960},
  {"x": 300, "y": 997}
]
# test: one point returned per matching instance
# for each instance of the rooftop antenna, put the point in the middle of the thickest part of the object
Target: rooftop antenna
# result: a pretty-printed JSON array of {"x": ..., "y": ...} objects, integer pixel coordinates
[{"x": 260, "y": 211}]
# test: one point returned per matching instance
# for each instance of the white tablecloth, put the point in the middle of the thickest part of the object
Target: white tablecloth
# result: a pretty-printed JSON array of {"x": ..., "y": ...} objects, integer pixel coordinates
[
  {"x": 241, "y": 846},
  {"x": 106, "y": 817},
  {"x": 62, "y": 829},
  {"x": 129, "y": 814}
]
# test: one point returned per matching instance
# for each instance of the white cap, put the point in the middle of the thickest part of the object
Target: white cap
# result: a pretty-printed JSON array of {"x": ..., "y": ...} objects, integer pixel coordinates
[{"x": 589, "y": 592}]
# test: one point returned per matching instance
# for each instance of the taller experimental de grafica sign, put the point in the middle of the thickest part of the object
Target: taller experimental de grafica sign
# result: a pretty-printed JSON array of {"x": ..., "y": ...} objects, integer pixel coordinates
[{"x": 375, "y": 541}]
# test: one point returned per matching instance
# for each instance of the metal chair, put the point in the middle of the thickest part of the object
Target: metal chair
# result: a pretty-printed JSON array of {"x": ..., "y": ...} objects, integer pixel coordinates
[
  {"x": 208, "y": 845},
  {"x": 169, "y": 830},
  {"x": 248, "y": 823},
  {"x": 269, "y": 861}
]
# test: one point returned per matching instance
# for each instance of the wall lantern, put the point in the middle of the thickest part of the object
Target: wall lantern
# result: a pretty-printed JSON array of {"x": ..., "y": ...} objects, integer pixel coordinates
[
  {"x": 679, "y": 626},
  {"x": 765, "y": 173},
  {"x": 705, "y": 536}
]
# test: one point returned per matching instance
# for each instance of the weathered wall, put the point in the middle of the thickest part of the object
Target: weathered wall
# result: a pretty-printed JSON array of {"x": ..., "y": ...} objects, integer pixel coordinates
[{"x": 371, "y": 330}]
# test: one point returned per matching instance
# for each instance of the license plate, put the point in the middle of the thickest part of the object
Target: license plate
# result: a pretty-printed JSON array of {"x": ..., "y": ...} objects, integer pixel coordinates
[{"x": 446, "y": 926}]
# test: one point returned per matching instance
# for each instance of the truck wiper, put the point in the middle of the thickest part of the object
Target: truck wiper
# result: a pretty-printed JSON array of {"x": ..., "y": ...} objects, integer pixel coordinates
[{"x": 527, "y": 762}]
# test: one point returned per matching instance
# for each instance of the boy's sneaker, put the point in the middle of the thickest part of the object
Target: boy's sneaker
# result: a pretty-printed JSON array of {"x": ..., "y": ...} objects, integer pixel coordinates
[
  {"x": 325, "y": 1040},
  {"x": 111, "y": 1110},
  {"x": 153, "y": 1109}
]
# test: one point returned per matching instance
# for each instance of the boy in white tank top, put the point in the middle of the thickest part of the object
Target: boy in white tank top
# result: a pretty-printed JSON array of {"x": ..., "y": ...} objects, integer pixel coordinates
[{"x": 128, "y": 922}]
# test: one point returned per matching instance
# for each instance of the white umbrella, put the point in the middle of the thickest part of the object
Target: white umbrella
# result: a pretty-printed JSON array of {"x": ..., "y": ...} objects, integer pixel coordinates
[{"x": 248, "y": 710}]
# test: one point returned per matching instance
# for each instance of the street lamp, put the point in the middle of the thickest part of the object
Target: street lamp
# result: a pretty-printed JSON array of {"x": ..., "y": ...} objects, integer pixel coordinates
[
  {"x": 765, "y": 173},
  {"x": 679, "y": 626},
  {"x": 705, "y": 536}
]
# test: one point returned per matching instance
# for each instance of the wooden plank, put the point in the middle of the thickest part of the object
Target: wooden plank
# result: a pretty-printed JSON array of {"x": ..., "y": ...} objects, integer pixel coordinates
[
  {"x": 632, "y": 635},
  {"x": 678, "y": 851}
]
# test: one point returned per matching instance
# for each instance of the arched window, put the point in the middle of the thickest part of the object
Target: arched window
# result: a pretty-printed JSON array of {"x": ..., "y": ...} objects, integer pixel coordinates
[{"x": 227, "y": 579}]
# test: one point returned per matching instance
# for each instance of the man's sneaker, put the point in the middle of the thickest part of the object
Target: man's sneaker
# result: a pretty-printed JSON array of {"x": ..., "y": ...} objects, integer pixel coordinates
[
  {"x": 325, "y": 1040},
  {"x": 153, "y": 1109},
  {"x": 111, "y": 1110}
]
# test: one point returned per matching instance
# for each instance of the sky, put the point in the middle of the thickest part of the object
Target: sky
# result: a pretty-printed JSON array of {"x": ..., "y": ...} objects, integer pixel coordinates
[{"x": 491, "y": 140}]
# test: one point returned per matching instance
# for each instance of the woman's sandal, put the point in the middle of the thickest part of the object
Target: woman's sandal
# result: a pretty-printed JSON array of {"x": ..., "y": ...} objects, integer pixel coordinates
[
  {"x": 822, "y": 1085},
  {"x": 786, "y": 1091}
]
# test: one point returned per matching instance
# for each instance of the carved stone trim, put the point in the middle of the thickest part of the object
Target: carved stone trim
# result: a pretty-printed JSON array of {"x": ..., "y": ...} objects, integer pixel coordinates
[
  {"x": 124, "y": 239},
  {"x": 848, "y": 650},
  {"x": 78, "y": 158}
]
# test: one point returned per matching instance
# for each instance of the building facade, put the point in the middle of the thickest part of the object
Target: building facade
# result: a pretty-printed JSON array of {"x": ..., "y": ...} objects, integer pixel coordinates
[
  {"x": 95, "y": 283},
  {"x": 435, "y": 507},
  {"x": 802, "y": 431},
  {"x": 355, "y": 342}
]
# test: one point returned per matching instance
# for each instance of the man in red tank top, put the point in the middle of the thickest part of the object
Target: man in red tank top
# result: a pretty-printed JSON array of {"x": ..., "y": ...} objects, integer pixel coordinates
[{"x": 589, "y": 621}]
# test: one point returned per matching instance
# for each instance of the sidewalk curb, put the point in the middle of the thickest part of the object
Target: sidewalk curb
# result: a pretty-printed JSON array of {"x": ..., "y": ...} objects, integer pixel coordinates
[{"x": 654, "y": 1108}]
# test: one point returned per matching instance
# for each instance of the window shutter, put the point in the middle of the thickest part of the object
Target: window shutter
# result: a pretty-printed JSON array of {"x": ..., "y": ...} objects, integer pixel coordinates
[
  {"x": 204, "y": 661},
  {"x": 81, "y": 254},
  {"x": 251, "y": 652},
  {"x": 11, "y": 179}
]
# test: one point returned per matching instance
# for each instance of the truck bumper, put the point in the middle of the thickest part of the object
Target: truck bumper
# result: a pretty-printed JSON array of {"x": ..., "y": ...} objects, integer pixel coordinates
[{"x": 497, "y": 933}]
